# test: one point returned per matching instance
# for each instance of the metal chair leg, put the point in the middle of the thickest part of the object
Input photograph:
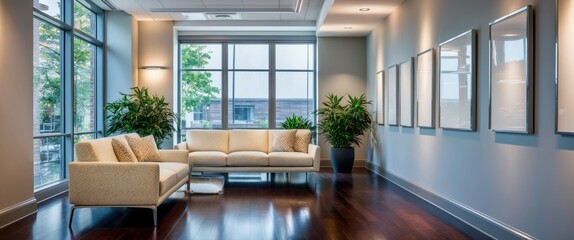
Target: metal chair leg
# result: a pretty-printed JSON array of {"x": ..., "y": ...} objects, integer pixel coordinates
[
  {"x": 154, "y": 209},
  {"x": 72, "y": 209}
]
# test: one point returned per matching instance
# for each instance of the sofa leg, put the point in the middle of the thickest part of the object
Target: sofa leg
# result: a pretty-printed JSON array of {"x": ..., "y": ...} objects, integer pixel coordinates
[
  {"x": 72, "y": 209},
  {"x": 187, "y": 188},
  {"x": 154, "y": 209}
]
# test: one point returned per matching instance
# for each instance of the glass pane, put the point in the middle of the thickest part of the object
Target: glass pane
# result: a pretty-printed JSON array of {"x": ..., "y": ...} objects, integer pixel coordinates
[
  {"x": 50, "y": 7},
  {"x": 248, "y": 99},
  {"x": 48, "y": 160},
  {"x": 84, "y": 19},
  {"x": 295, "y": 95},
  {"x": 201, "y": 56},
  {"x": 84, "y": 86},
  {"x": 294, "y": 56},
  {"x": 80, "y": 137},
  {"x": 200, "y": 99},
  {"x": 248, "y": 56},
  {"x": 47, "y": 78}
]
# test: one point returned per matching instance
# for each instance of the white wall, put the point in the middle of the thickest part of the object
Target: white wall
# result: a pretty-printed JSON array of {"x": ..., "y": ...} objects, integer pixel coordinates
[
  {"x": 342, "y": 70},
  {"x": 16, "y": 141},
  {"x": 524, "y": 181},
  {"x": 121, "y": 57}
]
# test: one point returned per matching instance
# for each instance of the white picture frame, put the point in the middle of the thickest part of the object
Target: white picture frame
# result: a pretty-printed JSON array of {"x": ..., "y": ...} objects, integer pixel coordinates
[
  {"x": 393, "y": 96},
  {"x": 380, "y": 96},
  {"x": 425, "y": 87},
  {"x": 564, "y": 70},
  {"x": 457, "y": 82},
  {"x": 511, "y": 72},
  {"x": 406, "y": 93}
]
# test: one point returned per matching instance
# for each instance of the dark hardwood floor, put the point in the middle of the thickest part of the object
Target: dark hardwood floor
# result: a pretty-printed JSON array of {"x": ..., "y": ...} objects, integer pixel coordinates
[{"x": 322, "y": 205}]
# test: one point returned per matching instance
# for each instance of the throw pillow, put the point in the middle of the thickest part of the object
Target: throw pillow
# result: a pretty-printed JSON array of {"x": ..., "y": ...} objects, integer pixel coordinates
[
  {"x": 302, "y": 140},
  {"x": 144, "y": 148},
  {"x": 283, "y": 141},
  {"x": 123, "y": 151}
]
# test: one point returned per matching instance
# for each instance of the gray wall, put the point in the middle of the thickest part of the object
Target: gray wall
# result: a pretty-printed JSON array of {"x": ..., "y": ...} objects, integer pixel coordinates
[
  {"x": 524, "y": 181},
  {"x": 342, "y": 69},
  {"x": 121, "y": 66},
  {"x": 16, "y": 142}
]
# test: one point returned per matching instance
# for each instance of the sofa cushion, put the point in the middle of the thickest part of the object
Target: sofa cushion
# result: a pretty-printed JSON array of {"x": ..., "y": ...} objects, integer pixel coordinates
[
  {"x": 302, "y": 140},
  {"x": 181, "y": 169},
  {"x": 167, "y": 179},
  {"x": 144, "y": 148},
  {"x": 123, "y": 151},
  {"x": 290, "y": 159},
  {"x": 248, "y": 140},
  {"x": 207, "y": 140},
  {"x": 247, "y": 159},
  {"x": 208, "y": 158},
  {"x": 283, "y": 141}
]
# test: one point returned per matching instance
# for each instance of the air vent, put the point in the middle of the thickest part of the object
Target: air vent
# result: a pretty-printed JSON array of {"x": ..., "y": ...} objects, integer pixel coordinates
[{"x": 222, "y": 16}]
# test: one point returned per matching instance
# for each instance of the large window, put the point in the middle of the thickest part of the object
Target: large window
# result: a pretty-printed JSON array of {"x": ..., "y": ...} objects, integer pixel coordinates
[
  {"x": 67, "y": 78},
  {"x": 258, "y": 84}
]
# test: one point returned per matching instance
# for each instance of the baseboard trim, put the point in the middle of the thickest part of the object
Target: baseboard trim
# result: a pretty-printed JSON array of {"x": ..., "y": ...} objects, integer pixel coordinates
[
  {"x": 17, "y": 211},
  {"x": 478, "y": 220},
  {"x": 51, "y": 191},
  {"x": 359, "y": 163}
]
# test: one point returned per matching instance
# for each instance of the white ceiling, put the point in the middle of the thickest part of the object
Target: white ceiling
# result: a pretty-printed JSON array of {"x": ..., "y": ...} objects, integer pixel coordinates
[{"x": 331, "y": 17}]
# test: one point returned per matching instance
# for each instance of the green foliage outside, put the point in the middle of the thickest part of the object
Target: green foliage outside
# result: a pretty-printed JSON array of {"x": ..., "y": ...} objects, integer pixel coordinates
[
  {"x": 343, "y": 125},
  {"x": 299, "y": 122},
  {"x": 141, "y": 113},
  {"x": 196, "y": 86}
]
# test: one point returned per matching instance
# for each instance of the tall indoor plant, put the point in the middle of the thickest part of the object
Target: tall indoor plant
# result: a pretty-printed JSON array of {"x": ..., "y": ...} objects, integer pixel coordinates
[
  {"x": 343, "y": 126},
  {"x": 141, "y": 113}
]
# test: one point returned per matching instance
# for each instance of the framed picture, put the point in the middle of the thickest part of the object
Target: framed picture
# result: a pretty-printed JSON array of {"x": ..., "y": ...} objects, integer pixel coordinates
[
  {"x": 425, "y": 89},
  {"x": 380, "y": 97},
  {"x": 393, "y": 96},
  {"x": 565, "y": 71},
  {"x": 511, "y": 72},
  {"x": 457, "y": 82},
  {"x": 406, "y": 93}
]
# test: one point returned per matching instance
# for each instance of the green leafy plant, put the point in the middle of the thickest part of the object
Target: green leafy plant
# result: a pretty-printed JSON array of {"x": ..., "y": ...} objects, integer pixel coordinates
[
  {"x": 299, "y": 122},
  {"x": 341, "y": 125},
  {"x": 141, "y": 113}
]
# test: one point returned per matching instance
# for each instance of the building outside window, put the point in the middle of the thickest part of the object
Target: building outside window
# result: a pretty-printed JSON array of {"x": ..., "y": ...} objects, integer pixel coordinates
[
  {"x": 67, "y": 83},
  {"x": 228, "y": 84}
]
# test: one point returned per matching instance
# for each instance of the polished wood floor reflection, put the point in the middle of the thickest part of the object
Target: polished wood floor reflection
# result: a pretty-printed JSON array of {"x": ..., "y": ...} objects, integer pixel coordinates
[{"x": 323, "y": 205}]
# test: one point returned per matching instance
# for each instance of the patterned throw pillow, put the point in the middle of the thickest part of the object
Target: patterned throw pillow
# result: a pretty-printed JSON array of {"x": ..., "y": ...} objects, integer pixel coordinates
[
  {"x": 283, "y": 141},
  {"x": 144, "y": 148},
  {"x": 302, "y": 140},
  {"x": 123, "y": 151}
]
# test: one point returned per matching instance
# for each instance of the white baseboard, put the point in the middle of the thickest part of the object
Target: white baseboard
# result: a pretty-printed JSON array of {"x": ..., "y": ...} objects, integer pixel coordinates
[{"x": 17, "y": 211}]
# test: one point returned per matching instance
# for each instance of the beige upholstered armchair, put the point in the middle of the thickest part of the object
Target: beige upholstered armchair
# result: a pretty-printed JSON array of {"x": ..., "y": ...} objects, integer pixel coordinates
[{"x": 98, "y": 179}]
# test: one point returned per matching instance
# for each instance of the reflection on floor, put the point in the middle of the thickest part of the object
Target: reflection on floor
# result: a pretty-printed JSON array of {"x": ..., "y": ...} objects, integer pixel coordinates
[{"x": 321, "y": 205}]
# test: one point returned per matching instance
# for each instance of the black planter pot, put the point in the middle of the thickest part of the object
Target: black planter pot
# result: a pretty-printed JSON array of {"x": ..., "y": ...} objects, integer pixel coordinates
[{"x": 342, "y": 159}]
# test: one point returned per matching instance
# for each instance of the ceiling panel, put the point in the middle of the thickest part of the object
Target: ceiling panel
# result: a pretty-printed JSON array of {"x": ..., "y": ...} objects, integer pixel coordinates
[
  {"x": 260, "y": 16},
  {"x": 182, "y": 4}
]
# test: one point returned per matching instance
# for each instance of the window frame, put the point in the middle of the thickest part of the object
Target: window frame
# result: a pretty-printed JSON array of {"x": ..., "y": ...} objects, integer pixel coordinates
[
  {"x": 225, "y": 42},
  {"x": 66, "y": 25}
]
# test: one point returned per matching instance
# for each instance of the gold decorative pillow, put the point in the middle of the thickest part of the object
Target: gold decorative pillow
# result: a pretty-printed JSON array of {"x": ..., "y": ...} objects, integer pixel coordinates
[
  {"x": 283, "y": 141},
  {"x": 123, "y": 151},
  {"x": 302, "y": 140},
  {"x": 85, "y": 152},
  {"x": 144, "y": 148}
]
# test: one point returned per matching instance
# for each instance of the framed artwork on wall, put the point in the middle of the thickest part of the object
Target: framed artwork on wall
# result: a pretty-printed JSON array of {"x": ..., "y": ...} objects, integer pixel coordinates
[
  {"x": 380, "y": 97},
  {"x": 393, "y": 96},
  {"x": 406, "y": 93},
  {"x": 511, "y": 72},
  {"x": 564, "y": 69},
  {"x": 457, "y": 82},
  {"x": 425, "y": 89}
]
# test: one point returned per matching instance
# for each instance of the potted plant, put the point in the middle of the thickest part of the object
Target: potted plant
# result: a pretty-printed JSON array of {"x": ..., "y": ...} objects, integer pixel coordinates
[
  {"x": 343, "y": 126},
  {"x": 141, "y": 113},
  {"x": 299, "y": 122}
]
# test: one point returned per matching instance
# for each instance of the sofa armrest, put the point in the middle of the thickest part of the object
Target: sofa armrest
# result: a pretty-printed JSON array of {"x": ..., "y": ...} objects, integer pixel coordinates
[
  {"x": 113, "y": 184},
  {"x": 174, "y": 156},
  {"x": 180, "y": 146},
  {"x": 315, "y": 152}
]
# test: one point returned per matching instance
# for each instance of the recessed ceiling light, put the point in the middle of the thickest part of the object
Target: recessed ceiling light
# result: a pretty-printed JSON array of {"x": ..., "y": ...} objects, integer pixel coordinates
[
  {"x": 364, "y": 9},
  {"x": 348, "y": 28}
]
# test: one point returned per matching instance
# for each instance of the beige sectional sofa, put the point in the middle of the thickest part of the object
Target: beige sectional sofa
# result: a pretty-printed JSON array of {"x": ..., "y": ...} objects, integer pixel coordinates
[
  {"x": 245, "y": 151},
  {"x": 98, "y": 179}
]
